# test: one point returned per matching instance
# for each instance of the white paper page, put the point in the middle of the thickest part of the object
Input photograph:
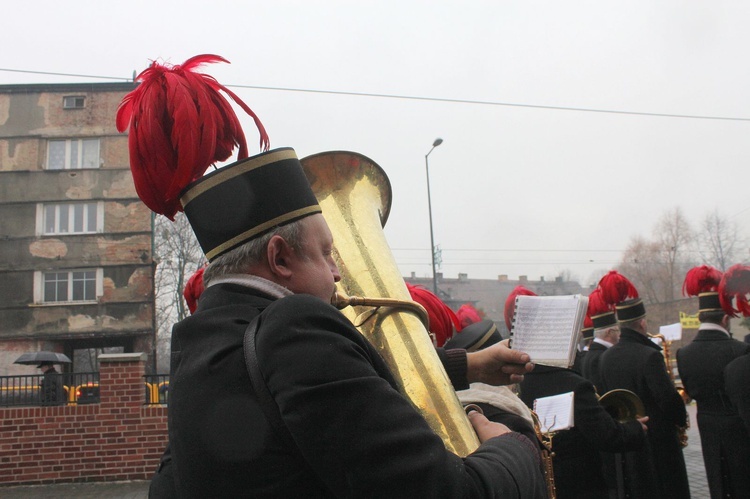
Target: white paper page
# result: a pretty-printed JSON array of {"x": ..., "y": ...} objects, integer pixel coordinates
[
  {"x": 543, "y": 329},
  {"x": 555, "y": 413}
]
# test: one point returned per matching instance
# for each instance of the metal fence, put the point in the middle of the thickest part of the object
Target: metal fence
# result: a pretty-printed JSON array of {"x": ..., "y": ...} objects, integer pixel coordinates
[
  {"x": 157, "y": 389},
  {"x": 70, "y": 389}
]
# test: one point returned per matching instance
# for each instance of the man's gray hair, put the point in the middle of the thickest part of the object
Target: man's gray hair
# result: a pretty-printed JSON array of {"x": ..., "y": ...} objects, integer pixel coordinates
[
  {"x": 243, "y": 258},
  {"x": 602, "y": 332}
]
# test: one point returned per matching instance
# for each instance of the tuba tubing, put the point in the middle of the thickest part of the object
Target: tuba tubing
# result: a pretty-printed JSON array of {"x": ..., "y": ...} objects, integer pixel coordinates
[{"x": 355, "y": 196}]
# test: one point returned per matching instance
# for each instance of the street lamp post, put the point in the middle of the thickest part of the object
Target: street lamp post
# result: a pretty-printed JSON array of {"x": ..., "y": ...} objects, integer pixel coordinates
[{"x": 437, "y": 142}]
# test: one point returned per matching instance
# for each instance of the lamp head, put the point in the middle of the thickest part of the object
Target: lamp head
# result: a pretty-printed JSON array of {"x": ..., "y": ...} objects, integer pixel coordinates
[{"x": 437, "y": 142}]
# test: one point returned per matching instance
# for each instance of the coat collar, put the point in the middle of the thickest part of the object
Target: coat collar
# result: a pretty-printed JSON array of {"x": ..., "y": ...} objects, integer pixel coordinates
[
  {"x": 712, "y": 332},
  {"x": 630, "y": 336}
]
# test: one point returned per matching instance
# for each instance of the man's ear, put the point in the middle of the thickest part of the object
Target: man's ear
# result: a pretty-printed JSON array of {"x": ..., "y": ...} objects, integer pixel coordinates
[{"x": 279, "y": 255}]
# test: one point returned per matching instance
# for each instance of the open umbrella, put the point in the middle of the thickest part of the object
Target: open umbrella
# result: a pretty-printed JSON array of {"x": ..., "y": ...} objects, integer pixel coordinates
[{"x": 34, "y": 358}]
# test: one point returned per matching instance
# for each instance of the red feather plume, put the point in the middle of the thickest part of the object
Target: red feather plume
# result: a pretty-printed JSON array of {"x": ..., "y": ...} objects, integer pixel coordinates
[
  {"x": 735, "y": 285},
  {"x": 467, "y": 315},
  {"x": 616, "y": 288},
  {"x": 193, "y": 289},
  {"x": 180, "y": 124},
  {"x": 701, "y": 280},
  {"x": 510, "y": 303},
  {"x": 443, "y": 320},
  {"x": 597, "y": 305}
]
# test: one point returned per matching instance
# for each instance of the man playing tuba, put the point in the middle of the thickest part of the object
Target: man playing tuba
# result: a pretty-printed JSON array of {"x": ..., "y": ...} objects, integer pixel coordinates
[{"x": 320, "y": 414}]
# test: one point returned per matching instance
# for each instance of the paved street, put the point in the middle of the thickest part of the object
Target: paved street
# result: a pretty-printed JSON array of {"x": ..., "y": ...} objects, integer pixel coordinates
[
  {"x": 139, "y": 489},
  {"x": 694, "y": 460}
]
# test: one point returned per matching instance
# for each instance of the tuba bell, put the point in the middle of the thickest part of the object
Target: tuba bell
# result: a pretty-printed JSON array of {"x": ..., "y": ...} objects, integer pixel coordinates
[{"x": 355, "y": 196}]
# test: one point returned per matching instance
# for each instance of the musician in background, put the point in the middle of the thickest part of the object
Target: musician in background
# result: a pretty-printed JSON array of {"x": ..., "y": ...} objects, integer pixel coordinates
[
  {"x": 582, "y": 349},
  {"x": 498, "y": 403},
  {"x": 577, "y": 464},
  {"x": 636, "y": 363},
  {"x": 701, "y": 365},
  {"x": 606, "y": 334}
]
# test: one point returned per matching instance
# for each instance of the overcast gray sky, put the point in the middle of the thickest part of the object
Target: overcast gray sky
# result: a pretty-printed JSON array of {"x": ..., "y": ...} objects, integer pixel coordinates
[{"x": 517, "y": 189}]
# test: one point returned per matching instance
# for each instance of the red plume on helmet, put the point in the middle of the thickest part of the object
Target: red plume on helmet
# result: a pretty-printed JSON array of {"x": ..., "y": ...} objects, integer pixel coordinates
[
  {"x": 179, "y": 126},
  {"x": 616, "y": 288},
  {"x": 510, "y": 303},
  {"x": 467, "y": 315},
  {"x": 443, "y": 320},
  {"x": 597, "y": 305},
  {"x": 193, "y": 289},
  {"x": 701, "y": 279},
  {"x": 735, "y": 285}
]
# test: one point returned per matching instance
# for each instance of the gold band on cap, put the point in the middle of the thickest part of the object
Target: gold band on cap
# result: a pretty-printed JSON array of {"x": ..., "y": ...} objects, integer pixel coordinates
[
  {"x": 476, "y": 346},
  {"x": 238, "y": 169},
  {"x": 249, "y": 234}
]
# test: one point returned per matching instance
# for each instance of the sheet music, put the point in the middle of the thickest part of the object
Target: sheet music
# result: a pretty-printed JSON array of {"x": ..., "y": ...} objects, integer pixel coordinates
[
  {"x": 555, "y": 413},
  {"x": 547, "y": 327}
]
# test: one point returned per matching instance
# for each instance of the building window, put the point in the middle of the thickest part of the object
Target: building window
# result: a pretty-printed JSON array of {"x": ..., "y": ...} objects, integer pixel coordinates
[
  {"x": 70, "y": 218},
  {"x": 74, "y": 102},
  {"x": 72, "y": 154},
  {"x": 65, "y": 286}
]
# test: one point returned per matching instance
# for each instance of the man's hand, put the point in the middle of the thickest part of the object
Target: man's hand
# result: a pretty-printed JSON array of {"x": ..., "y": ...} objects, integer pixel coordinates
[
  {"x": 485, "y": 428},
  {"x": 497, "y": 365},
  {"x": 643, "y": 422}
]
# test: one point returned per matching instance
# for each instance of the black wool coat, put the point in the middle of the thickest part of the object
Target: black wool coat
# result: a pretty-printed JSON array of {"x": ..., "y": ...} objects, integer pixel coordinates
[
  {"x": 590, "y": 365},
  {"x": 353, "y": 433},
  {"x": 577, "y": 463},
  {"x": 723, "y": 436},
  {"x": 737, "y": 386},
  {"x": 636, "y": 363}
]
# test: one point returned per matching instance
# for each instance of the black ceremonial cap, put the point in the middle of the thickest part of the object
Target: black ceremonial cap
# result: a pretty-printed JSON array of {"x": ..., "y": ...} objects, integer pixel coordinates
[
  {"x": 587, "y": 333},
  {"x": 607, "y": 319},
  {"x": 709, "y": 302},
  {"x": 630, "y": 310},
  {"x": 475, "y": 337},
  {"x": 246, "y": 199}
]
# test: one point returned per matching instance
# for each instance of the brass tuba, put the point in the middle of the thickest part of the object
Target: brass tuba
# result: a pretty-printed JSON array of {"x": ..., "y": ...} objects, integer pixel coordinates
[{"x": 355, "y": 195}]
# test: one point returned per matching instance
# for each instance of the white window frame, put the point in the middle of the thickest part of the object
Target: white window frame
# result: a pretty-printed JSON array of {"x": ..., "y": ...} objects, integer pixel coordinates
[
  {"x": 39, "y": 282},
  {"x": 59, "y": 209},
  {"x": 71, "y": 101},
  {"x": 73, "y": 155}
]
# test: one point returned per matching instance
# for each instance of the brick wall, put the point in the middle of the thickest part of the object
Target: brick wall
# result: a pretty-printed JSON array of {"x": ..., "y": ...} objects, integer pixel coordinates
[{"x": 118, "y": 439}]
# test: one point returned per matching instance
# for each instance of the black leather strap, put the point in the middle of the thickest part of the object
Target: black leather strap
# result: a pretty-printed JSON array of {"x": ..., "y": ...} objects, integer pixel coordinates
[{"x": 265, "y": 399}]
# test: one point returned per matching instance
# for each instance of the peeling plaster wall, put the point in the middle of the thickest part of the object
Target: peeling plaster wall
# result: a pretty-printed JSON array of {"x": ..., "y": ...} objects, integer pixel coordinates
[{"x": 31, "y": 115}]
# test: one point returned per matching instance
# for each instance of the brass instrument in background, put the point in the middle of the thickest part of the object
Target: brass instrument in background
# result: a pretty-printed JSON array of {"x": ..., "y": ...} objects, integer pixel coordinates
[
  {"x": 623, "y": 405},
  {"x": 545, "y": 441},
  {"x": 355, "y": 195},
  {"x": 666, "y": 344}
]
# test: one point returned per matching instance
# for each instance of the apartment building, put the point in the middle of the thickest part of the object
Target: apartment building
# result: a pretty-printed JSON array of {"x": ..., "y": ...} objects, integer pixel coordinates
[{"x": 76, "y": 267}]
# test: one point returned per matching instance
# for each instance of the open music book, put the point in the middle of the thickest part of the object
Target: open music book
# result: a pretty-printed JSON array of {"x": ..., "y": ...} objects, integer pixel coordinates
[
  {"x": 555, "y": 413},
  {"x": 547, "y": 327}
]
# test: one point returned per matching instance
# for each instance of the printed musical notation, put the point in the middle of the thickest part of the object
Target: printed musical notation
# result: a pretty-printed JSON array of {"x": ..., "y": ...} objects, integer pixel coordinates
[{"x": 547, "y": 327}]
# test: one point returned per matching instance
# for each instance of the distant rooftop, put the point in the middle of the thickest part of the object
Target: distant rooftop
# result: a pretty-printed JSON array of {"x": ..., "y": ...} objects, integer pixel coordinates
[{"x": 31, "y": 88}]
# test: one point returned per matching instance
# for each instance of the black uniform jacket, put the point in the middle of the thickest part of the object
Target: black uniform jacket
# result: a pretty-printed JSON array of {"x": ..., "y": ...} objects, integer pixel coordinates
[
  {"x": 723, "y": 436},
  {"x": 737, "y": 379},
  {"x": 577, "y": 463},
  {"x": 636, "y": 363},
  {"x": 590, "y": 365},
  {"x": 354, "y": 434}
]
